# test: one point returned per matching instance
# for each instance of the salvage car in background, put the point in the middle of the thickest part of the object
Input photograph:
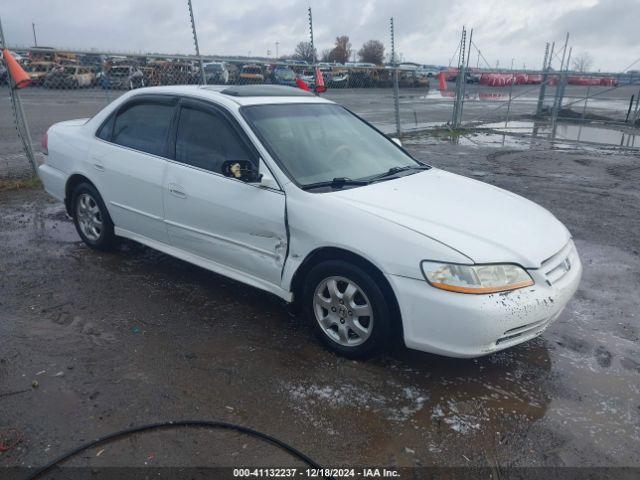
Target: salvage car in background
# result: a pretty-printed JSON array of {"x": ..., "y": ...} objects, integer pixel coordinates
[
  {"x": 283, "y": 75},
  {"x": 410, "y": 75},
  {"x": 216, "y": 73},
  {"x": 38, "y": 71},
  {"x": 363, "y": 75},
  {"x": 251, "y": 74},
  {"x": 70, "y": 76},
  {"x": 293, "y": 194},
  {"x": 122, "y": 77}
]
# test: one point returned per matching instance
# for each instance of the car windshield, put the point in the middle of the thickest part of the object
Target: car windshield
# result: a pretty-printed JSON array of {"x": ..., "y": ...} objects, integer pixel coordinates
[
  {"x": 119, "y": 71},
  {"x": 39, "y": 68},
  {"x": 285, "y": 73},
  {"x": 213, "y": 67},
  {"x": 322, "y": 142}
]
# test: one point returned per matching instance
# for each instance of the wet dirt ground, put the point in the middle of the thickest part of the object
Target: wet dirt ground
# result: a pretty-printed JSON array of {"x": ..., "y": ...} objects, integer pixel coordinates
[{"x": 132, "y": 337}]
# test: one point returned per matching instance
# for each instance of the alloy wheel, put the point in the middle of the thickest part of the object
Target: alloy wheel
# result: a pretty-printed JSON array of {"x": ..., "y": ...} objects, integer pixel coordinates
[
  {"x": 343, "y": 311},
  {"x": 89, "y": 217}
]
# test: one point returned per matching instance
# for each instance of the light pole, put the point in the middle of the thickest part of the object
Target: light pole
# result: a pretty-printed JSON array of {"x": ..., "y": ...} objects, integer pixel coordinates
[{"x": 35, "y": 40}]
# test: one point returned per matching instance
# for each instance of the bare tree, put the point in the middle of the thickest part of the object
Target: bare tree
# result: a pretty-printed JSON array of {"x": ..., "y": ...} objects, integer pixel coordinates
[
  {"x": 372, "y": 52},
  {"x": 304, "y": 51},
  {"x": 325, "y": 56},
  {"x": 341, "y": 52},
  {"x": 582, "y": 63}
]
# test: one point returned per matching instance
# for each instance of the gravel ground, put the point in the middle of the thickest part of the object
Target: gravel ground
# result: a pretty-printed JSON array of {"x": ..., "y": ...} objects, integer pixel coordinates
[{"x": 136, "y": 336}]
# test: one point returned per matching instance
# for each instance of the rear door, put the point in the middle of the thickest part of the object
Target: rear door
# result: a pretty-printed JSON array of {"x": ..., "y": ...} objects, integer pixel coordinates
[
  {"x": 237, "y": 225},
  {"x": 129, "y": 162}
]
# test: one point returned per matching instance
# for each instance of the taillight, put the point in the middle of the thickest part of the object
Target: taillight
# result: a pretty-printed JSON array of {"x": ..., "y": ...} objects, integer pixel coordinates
[{"x": 45, "y": 144}]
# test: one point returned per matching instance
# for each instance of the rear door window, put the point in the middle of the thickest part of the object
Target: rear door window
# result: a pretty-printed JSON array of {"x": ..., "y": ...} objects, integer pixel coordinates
[{"x": 144, "y": 127}]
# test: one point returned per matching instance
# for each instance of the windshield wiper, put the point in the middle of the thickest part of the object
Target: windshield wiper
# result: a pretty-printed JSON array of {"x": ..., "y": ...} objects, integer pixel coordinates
[
  {"x": 338, "y": 182},
  {"x": 395, "y": 170}
]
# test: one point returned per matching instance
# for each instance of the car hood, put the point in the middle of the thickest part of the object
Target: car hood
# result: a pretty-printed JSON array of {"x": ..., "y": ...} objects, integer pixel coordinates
[{"x": 483, "y": 222}]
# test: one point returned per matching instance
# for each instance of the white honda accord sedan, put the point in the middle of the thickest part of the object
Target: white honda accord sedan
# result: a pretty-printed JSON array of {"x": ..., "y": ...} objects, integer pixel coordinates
[{"x": 295, "y": 195}]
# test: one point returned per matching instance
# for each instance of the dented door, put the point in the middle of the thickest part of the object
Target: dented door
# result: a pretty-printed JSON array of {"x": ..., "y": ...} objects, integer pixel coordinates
[{"x": 232, "y": 223}]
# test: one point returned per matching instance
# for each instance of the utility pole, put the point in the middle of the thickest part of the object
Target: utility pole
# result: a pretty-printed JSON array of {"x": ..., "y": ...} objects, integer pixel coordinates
[
  {"x": 396, "y": 90},
  {"x": 35, "y": 40},
  {"x": 195, "y": 41},
  {"x": 313, "y": 48}
]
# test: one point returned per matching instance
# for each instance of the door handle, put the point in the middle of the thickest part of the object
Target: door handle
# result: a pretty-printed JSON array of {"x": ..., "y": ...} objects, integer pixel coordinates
[
  {"x": 99, "y": 167},
  {"x": 177, "y": 191}
]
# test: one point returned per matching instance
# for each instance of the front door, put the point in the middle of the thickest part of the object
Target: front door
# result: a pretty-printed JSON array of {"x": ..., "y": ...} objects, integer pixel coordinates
[{"x": 237, "y": 225}]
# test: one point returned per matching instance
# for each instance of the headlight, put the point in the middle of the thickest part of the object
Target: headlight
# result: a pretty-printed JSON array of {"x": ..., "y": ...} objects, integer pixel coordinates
[{"x": 476, "y": 279}]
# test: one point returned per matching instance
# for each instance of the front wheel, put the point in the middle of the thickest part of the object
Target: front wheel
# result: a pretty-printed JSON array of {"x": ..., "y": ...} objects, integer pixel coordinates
[
  {"x": 92, "y": 219},
  {"x": 348, "y": 309}
]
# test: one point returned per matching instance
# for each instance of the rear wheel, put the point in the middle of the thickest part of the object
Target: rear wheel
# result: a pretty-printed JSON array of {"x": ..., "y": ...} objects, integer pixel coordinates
[
  {"x": 92, "y": 219},
  {"x": 347, "y": 308}
]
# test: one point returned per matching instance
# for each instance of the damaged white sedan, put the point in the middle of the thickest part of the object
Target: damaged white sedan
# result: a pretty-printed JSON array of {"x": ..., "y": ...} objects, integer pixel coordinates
[{"x": 295, "y": 195}]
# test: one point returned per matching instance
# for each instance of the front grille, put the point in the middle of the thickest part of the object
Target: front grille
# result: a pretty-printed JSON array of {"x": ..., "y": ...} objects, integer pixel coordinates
[{"x": 559, "y": 265}]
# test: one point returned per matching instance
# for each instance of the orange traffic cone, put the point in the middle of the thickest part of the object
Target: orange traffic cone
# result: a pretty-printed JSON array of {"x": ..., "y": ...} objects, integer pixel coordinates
[
  {"x": 20, "y": 78},
  {"x": 442, "y": 81},
  {"x": 302, "y": 84},
  {"x": 320, "y": 88}
]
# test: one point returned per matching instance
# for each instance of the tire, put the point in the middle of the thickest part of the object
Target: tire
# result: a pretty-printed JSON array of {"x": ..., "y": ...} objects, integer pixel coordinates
[
  {"x": 91, "y": 218},
  {"x": 335, "y": 313}
]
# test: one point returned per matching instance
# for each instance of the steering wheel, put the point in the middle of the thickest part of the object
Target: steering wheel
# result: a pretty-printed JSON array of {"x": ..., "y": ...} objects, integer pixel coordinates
[{"x": 341, "y": 150}]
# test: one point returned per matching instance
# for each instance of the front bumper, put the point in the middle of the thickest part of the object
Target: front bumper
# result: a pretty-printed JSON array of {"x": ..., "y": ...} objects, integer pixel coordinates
[{"x": 463, "y": 325}]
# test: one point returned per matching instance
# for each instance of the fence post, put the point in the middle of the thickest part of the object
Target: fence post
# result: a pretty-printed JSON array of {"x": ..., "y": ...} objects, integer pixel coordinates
[
  {"x": 313, "y": 48},
  {"x": 18, "y": 114},
  {"x": 195, "y": 41},
  {"x": 513, "y": 80},
  {"x": 586, "y": 99},
  {"x": 545, "y": 76},
  {"x": 464, "y": 79},
  {"x": 455, "y": 120},
  {"x": 557, "y": 100},
  {"x": 396, "y": 90}
]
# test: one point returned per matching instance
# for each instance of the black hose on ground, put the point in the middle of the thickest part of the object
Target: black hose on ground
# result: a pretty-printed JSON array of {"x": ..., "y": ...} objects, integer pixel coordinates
[{"x": 177, "y": 424}]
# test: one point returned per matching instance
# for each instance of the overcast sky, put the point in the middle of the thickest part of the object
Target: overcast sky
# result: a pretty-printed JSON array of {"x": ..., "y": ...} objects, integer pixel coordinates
[{"x": 427, "y": 31}]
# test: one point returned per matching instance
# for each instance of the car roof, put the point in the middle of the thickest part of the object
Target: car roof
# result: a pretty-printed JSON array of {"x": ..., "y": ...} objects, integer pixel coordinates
[{"x": 237, "y": 95}]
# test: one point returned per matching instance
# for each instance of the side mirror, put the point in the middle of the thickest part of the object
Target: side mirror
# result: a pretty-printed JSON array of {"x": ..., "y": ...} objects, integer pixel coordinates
[
  {"x": 243, "y": 170},
  {"x": 265, "y": 179},
  {"x": 397, "y": 141}
]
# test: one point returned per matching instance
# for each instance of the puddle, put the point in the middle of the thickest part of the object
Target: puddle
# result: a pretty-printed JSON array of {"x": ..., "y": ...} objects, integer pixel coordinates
[
  {"x": 569, "y": 132},
  {"x": 525, "y": 135}
]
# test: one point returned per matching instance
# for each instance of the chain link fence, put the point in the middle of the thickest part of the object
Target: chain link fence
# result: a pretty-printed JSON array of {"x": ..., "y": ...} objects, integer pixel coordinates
[{"x": 67, "y": 85}]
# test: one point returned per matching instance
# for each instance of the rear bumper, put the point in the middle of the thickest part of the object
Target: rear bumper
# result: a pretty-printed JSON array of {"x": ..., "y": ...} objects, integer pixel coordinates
[
  {"x": 466, "y": 326},
  {"x": 54, "y": 181}
]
